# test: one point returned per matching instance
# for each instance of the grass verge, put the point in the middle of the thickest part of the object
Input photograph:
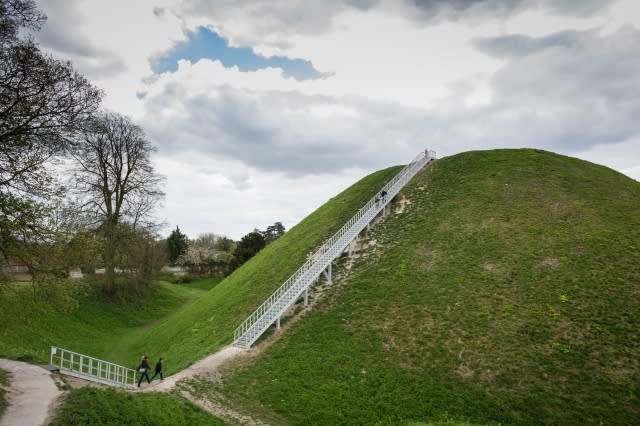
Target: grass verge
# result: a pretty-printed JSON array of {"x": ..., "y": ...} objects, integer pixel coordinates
[
  {"x": 91, "y": 406},
  {"x": 5, "y": 376}
]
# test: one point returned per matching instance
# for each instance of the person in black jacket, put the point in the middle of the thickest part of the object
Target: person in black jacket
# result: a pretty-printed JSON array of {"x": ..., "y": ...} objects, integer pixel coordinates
[
  {"x": 144, "y": 370},
  {"x": 158, "y": 370}
]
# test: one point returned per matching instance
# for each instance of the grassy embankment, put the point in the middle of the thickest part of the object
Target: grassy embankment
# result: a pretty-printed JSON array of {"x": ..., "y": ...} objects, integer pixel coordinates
[
  {"x": 91, "y": 324},
  {"x": 508, "y": 291},
  {"x": 208, "y": 324}
]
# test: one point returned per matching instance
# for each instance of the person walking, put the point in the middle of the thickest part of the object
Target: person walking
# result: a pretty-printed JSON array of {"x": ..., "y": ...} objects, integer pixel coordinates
[
  {"x": 144, "y": 370},
  {"x": 158, "y": 370}
]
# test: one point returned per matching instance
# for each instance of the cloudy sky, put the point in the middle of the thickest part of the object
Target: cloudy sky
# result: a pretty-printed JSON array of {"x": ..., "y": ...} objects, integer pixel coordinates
[{"x": 262, "y": 110}]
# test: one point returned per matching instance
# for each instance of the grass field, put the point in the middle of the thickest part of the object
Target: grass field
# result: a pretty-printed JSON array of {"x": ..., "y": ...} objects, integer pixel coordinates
[
  {"x": 107, "y": 407},
  {"x": 507, "y": 292},
  {"x": 103, "y": 329},
  {"x": 203, "y": 284}
]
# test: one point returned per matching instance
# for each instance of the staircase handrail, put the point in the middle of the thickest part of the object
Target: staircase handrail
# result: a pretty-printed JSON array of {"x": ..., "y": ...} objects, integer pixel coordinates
[
  {"x": 106, "y": 372},
  {"x": 424, "y": 156}
]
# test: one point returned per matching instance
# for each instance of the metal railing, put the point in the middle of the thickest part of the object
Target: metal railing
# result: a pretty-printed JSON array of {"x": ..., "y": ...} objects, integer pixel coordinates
[
  {"x": 89, "y": 368},
  {"x": 291, "y": 289}
]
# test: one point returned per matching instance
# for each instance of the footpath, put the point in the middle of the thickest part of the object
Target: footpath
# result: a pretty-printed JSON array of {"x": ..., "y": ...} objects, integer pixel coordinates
[
  {"x": 32, "y": 394},
  {"x": 203, "y": 367},
  {"x": 206, "y": 367}
]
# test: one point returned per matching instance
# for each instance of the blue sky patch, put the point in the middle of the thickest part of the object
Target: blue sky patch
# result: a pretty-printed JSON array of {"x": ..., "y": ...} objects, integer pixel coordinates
[{"x": 205, "y": 43}]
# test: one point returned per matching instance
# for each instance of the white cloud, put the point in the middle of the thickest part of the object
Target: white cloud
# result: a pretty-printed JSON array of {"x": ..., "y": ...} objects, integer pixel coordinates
[
  {"x": 115, "y": 40},
  {"x": 623, "y": 156},
  {"x": 245, "y": 149},
  {"x": 227, "y": 198}
]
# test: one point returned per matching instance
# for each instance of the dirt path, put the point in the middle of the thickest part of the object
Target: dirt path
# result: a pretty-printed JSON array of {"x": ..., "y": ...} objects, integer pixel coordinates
[
  {"x": 204, "y": 367},
  {"x": 32, "y": 394}
]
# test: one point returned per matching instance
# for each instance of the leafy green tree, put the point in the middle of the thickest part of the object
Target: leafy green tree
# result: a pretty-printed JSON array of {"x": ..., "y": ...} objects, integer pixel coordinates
[
  {"x": 84, "y": 251},
  {"x": 274, "y": 232},
  {"x": 177, "y": 244},
  {"x": 248, "y": 247},
  {"x": 225, "y": 244}
]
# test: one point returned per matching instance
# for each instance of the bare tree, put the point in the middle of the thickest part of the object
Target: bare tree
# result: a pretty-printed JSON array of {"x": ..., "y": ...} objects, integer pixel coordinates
[
  {"x": 115, "y": 175},
  {"x": 17, "y": 14},
  {"x": 42, "y": 101}
]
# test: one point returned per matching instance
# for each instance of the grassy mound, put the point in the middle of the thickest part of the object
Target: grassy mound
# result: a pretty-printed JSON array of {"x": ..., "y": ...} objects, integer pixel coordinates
[
  {"x": 208, "y": 324},
  {"x": 507, "y": 291},
  {"x": 90, "y": 406}
]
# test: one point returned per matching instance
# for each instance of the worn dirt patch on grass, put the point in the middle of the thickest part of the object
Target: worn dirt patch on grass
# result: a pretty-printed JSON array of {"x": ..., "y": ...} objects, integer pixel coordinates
[
  {"x": 550, "y": 262},
  {"x": 464, "y": 371},
  {"x": 402, "y": 204},
  {"x": 493, "y": 267},
  {"x": 215, "y": 404},
  {"x": 427, "y": 258}
]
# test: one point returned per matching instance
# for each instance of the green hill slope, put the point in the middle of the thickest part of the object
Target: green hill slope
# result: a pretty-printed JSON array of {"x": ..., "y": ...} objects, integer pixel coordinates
[
  {"x": 507, "y": 291},
  {"x": 208, "y": 324}
]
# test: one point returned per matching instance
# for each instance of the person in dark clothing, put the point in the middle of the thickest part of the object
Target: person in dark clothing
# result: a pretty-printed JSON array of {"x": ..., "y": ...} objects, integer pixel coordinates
[
  {"x": 144, "y": 370},
  {"x": 384, "y": 196},
  {"x": 158, "y": 370}
]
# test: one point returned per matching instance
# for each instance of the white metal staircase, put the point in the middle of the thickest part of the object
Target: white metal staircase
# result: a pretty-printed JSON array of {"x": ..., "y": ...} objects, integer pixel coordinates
[{"x": 272, "y": 309}]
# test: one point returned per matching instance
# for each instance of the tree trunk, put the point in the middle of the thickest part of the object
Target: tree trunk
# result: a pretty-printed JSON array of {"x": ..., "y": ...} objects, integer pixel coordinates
[{"x": 109, "y": 259}]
